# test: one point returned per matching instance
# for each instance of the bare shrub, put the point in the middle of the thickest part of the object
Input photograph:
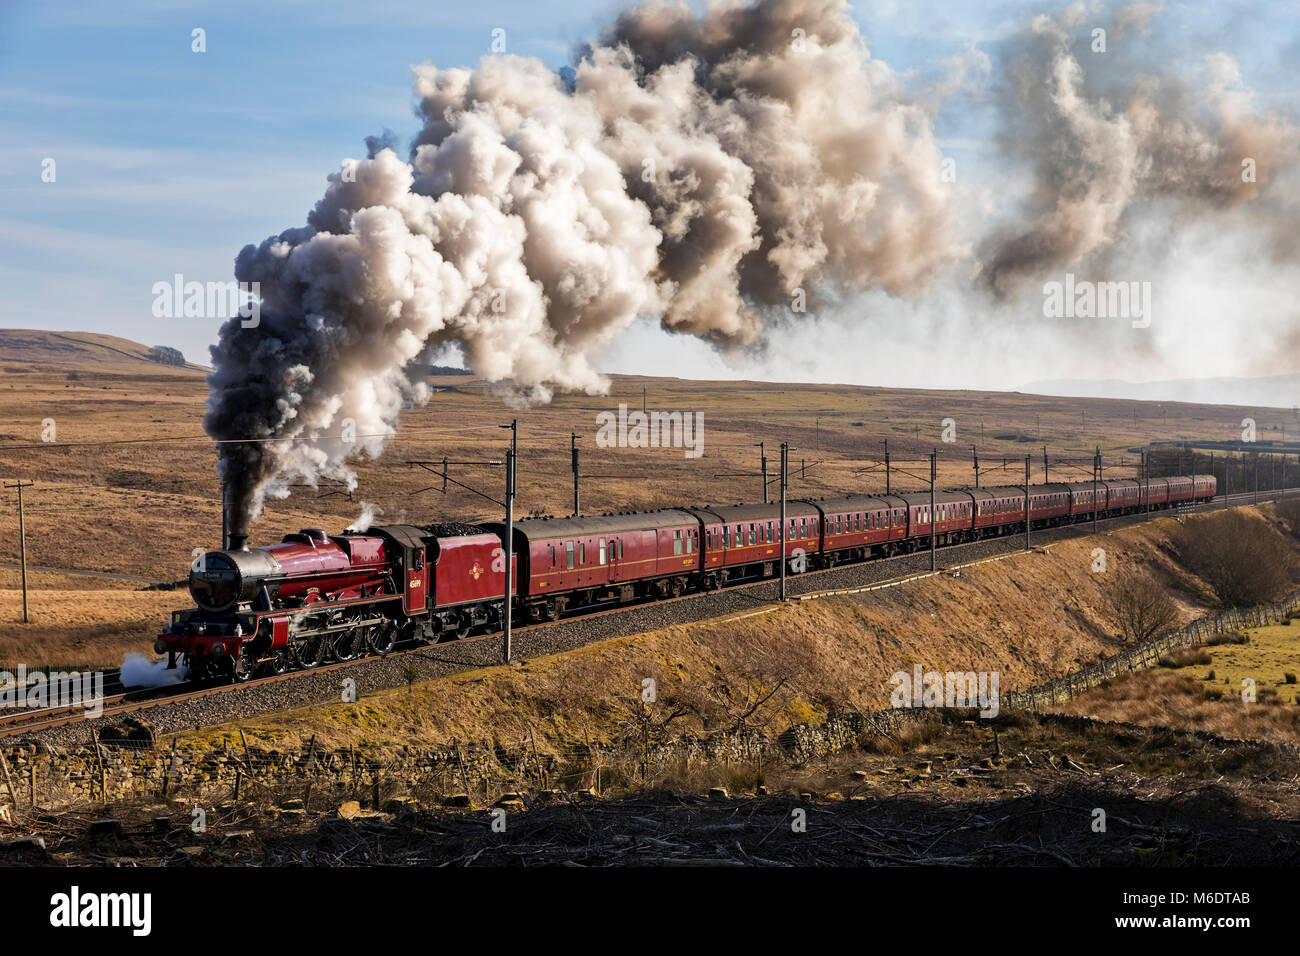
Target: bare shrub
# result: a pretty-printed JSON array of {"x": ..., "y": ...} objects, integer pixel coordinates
[
  {"x": 1139, "y": 607},
  {"x": 1242, "y": 559},
  {"x": 1288, "y": 509},
  {"x": 1184, "y": 657},
  {"x": 1227, "y": 637}
]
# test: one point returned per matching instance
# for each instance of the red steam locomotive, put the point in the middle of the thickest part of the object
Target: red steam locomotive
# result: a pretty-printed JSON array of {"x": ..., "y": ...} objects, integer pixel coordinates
[{"x": 315, "y": 597}]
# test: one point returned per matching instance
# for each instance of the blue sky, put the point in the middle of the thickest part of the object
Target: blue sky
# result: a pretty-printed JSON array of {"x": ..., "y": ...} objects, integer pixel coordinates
[{"x": 170, "y": 161}]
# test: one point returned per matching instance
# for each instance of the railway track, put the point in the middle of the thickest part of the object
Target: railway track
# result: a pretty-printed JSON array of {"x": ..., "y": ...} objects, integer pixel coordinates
[{"x": 123, "y": 700}]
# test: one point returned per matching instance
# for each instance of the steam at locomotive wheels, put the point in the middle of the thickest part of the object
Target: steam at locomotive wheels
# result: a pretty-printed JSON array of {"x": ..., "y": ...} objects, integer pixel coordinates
[{"x": 315, "y": 598}]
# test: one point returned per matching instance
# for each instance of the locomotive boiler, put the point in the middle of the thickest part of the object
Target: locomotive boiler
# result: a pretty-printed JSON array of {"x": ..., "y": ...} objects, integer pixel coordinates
[{"x": 315, "y": 598}]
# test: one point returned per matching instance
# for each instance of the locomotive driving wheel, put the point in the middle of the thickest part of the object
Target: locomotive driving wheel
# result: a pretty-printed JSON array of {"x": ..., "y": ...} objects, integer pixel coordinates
[
  {"x": 381, "y": 637},
  {"x": 350, "y": 644},
  {"x": 306, "y": 654}
]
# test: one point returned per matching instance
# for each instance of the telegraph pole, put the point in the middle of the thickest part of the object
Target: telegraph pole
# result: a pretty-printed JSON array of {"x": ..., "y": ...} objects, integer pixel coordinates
[
  {"x": 785, "y": 475},
  {"x": 975, "y": 455},
  {"x": 510, "y": 528},
  {"x": 1096, "y": 473},
  {"x": 762, "y": 454},
  {"x": 886, "y": 444},
  {"x": 22, "y": 539},
  {"x": 1146, "y": 477},
  {"x": 933, "y": 456},
  {"x": 1028, "y": 458},
  {"x": 573, "y": 454},
  {"x": 1046, "y": 480}
]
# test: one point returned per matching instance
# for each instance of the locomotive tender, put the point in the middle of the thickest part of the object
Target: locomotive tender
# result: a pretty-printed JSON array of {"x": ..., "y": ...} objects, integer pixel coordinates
[{"x": 315, "y": 598}]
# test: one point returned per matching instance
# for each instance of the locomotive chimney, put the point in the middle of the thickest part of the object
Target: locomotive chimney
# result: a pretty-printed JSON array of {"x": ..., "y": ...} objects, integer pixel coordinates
[{"x": 238, "y": 541}]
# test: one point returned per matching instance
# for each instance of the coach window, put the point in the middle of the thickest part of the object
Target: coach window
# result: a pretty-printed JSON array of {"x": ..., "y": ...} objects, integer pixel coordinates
[
  {"x": 602, "y": 550},
  {"x": 582, "y": 553},
  {"x": 677, "y": 542},
  {"x": 726, "y": 537},
  {"x": 552, "y": 549},
  {"x": 568, "y": 555},
  {"x": 620, "y": 549}
]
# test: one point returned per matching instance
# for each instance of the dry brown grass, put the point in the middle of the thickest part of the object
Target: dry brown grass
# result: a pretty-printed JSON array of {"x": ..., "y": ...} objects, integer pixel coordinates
[
  {"x": 1163, "y": 699},
  {"x": 1185, "y": 657},
  {"x": 81, "y": 626}
]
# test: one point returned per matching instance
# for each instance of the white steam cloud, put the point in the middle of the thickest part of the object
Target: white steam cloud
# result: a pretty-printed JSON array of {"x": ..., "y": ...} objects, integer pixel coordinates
[
  {"x": 713, "y": 171},
  {"x": 139, "y": 671},
  {"x": 699, "y": 168},
  {"x": 1108, "y": 143},
  {"x": 369, "y": 512}
]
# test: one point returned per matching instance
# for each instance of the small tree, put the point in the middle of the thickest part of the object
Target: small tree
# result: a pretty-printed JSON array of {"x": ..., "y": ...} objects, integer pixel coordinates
[
  {"x": 1243, "y": 559},
  {"x": 1138, "y": 606},
  {"x": 1289, "y": 511}
]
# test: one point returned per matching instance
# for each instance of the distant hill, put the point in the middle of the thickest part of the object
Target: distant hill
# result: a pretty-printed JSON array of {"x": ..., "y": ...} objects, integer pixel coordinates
[
  {"x": 87, "y": 351},
  {"x": 1274, "y": 391}
]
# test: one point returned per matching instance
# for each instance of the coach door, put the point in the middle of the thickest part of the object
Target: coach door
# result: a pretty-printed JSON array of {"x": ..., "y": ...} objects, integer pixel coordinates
[{"x": 615, "y": 573}]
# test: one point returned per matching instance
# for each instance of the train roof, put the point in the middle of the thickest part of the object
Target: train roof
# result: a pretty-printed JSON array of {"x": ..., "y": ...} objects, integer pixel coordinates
[
  {"x": 940, "y": 497},
  {"x": 858, "y": 502},
  {"x": 572, "y": 527},
  {"x": 1086, "y": 485},
  {"x": 1014, "y": 491},
  {"x": 723, "y": 514}
]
